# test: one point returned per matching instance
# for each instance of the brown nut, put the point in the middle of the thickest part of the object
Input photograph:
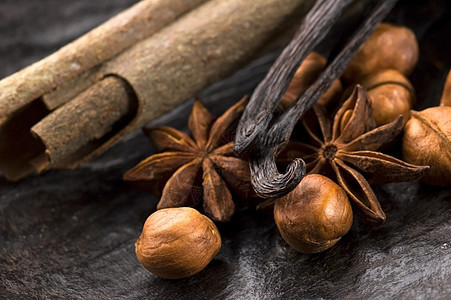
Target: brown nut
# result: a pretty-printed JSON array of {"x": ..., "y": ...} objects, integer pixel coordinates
[
  {"x": 314, "y": 216},
  {"x": 427, "y": 141},
  {"x": 177, "y": 242},
  {"x": 306, "y": 74},
  {"x": 446, "y": 95},
  {"x": 332, "y": 94},
  {"x": 391, "y": 95},
  {"x": 389, "y": 47}
]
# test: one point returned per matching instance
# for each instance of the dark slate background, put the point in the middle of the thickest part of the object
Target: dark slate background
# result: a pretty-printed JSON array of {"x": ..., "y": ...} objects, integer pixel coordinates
[{"x": 71, "y": 234}]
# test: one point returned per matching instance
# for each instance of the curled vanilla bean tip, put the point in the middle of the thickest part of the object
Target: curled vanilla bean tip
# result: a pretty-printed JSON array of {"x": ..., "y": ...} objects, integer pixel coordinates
[{"x": 268, "y": 182}]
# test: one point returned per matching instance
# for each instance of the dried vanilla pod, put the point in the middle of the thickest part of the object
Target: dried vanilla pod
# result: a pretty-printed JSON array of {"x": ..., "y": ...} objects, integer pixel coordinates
[
  {"x": 309, "y": 70},
  {"x": 427, "y": 141},
  {"x": 446, "y": 95},
  {"x": 391, "y": 95},
  {"x": 314, "y": 216},
  {"x": 389, "y": 47},
  {"x": 191, "y": 166},
  {"x": 177, "y": 242}
]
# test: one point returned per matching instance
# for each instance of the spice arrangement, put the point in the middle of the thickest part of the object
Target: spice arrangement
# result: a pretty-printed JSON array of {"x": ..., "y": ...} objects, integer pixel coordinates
[
  {"x": 341, "y": 139},
  {"x": 193, "y": 43},
  {"x": 332, "y": 213},
  {"x": 205, "y": 160}
]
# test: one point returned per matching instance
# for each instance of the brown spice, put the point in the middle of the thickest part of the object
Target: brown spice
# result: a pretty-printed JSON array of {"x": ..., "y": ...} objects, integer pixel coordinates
[
  {"x": 391, "y": 95},
  {"x": 427, "y": 141},
  {"x": 262, "y": 131},
  {"x": 177, "y": 242},
  {"x": 346, "y": 146},
  {"x": 209, "y": 153},
  {"x": 314, "y": 216},
  {"x": 309, "y": 70},
  {"x": 446, "y": 95},
  {"x": 389, "y": 47}
]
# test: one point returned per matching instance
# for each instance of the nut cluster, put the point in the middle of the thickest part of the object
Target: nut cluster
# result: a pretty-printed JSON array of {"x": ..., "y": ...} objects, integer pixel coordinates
[
  {"x": 389, "y": 47},
  {"x": 179, "y": 242},
  {"x": 381, "y": 66}
]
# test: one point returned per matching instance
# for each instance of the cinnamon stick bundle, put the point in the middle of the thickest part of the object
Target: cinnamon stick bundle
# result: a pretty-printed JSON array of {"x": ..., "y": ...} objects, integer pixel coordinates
[
  {"x": 109, "y": 97},
  {"x": 100, "y": 44}
]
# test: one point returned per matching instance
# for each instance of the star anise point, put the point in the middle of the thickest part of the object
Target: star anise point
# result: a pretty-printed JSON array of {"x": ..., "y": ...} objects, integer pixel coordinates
[
  {"x": 347, "y": 145},
  {"x": 208, "y": 152}
]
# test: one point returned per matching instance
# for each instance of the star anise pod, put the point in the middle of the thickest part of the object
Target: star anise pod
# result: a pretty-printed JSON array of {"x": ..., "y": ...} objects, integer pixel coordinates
[
  {"x": 345, "y": 148},
  {"x": 203, "y": 164}
]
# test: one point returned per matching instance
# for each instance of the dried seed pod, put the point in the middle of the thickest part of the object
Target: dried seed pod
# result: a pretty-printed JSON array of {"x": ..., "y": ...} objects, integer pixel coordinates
[
  {"x": 309, "y": 70},
  {"x": 427, "y": 141},
  {"x": 389, "y": 47},
  {"x": 446, "y": 95},
  {"x": 314, "y": 216},
  {"x": 177, "y": 242},
  {"x": 391, "y": 95}
]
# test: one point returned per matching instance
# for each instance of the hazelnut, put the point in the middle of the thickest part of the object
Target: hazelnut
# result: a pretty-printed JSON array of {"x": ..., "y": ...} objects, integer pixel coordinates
[
  {"x": 177, "y": 242},
  {"x": 332, "y": 94},
  {"x": 314, "y": 216},
  {"x": 427, "y": 141},
  {"x": 389, "y": 47},
  {"x": 306, "y": 74},
  {"x": 446, "y": 95},
  {"x": 391, "y": 95}
]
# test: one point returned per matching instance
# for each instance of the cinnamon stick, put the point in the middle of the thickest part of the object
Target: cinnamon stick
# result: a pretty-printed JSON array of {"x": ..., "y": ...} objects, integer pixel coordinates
[
  {"x": 96, "y": 112},
  {"x": 100, "y": 44},
  {"x": 175, "y": 63},
  {"x": 160, "y": 72}
]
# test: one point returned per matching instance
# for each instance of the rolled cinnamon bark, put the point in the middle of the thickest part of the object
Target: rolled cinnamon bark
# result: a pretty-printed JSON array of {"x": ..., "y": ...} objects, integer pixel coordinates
[
  {"x": 172, "y": 65},
  {"x": 97, "y": 109},
  {"x": 161, "y": 71},
  {"x": 102, "y": 43}
]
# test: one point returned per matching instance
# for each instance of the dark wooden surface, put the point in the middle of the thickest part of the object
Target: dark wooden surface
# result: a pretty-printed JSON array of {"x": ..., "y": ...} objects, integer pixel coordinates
[{"x": 71, "y": 234}]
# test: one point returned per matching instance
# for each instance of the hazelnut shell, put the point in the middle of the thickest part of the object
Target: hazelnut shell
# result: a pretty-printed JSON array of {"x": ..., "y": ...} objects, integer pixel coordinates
[
  {"x": 306, "y": 74},
  {"x": 177, "y": 242},
  {"x": 446, "y": 95},
  {"x": 389, "y": 47},
  {"x": 391, "y": 95},
  {"x": 314, "y": 216},
  {"x": 427, "y": 141}
]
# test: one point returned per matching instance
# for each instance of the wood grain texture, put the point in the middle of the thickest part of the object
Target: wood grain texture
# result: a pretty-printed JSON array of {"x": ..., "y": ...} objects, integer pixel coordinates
[{"x": 71, "y": 234}]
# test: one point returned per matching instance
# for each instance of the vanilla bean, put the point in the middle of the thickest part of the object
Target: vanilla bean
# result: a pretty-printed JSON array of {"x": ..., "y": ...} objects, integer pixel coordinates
[
  {"x": 266, "y": 179},
  {"x": 267, "y": 95}
]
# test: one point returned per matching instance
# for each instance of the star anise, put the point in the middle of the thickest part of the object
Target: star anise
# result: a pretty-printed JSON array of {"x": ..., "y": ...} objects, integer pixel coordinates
[
  {"x": 189, "y": 167},
  {"x": 345, "y": 148}
]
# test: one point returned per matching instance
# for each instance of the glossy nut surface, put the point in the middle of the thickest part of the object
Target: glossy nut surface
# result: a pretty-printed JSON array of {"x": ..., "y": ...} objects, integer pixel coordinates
[
  {"x": 314, "y": 216},
  {"x": 389, "y": 47},
  {"x": 391, "y": 95},
  {"x": 306, "y": 74},
  {"x": 177, "y": 242},
  {"x": 446, "y": 94},
  {"x": 427, "y": 141}
]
